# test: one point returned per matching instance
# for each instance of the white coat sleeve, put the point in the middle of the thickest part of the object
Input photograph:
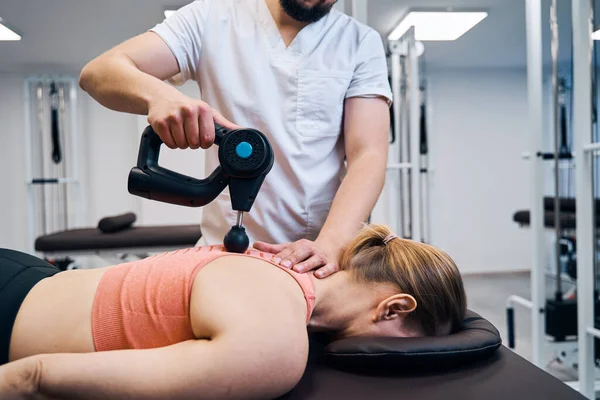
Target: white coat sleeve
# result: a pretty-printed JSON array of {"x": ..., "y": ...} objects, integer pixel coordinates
[
  {"x": 183, "y": 33},
  {"x": 371, "y": 76}
]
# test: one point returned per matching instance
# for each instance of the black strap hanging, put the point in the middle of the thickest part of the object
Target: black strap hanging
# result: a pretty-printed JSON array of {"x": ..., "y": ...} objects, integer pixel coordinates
[{"x": 56, "y": 146}]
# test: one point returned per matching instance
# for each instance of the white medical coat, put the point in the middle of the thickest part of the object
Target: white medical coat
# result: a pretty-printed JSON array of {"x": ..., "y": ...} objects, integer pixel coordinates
[{"x": 294, "y": 95}]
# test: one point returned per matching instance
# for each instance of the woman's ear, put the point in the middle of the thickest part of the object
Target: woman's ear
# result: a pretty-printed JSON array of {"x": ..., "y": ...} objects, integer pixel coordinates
[{"x": 397, "y": 306}]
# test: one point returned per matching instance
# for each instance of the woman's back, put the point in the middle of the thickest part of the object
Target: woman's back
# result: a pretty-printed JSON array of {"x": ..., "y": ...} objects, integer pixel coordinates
[{"x": 162, "y": 300}]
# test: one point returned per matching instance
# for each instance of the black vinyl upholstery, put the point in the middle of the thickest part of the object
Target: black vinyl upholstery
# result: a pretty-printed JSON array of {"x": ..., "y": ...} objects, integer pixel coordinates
[
  {"x": 477, "y": 340},
  {"x": 137, "y": 237},
  {"x": 566, "y": 204},
  {"x": 117, "y": 223},
  {"x": 469, "y": 365},
  {"x": 503, "y": 376},
  {"x": 567, "y": 220}
]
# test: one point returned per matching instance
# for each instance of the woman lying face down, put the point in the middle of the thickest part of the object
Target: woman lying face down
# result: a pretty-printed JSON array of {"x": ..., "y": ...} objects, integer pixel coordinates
[
  {"x": 391, "y": 287},
  {"x": 204, "y": 324}
]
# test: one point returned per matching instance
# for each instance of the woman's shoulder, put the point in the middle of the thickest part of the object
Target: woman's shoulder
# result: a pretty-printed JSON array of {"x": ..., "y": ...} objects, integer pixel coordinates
[{"x": 244, "y": 293}]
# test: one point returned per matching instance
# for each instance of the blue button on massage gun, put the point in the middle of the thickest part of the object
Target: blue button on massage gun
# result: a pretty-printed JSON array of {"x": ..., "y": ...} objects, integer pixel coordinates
[
  {"x": 244, "y": 150},
  {"x": 245, "y": 157}
]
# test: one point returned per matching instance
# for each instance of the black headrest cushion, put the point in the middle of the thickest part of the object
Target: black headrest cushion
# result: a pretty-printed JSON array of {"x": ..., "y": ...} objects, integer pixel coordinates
[
  {"x": 117, "y": 223},
  {"x": 478, "y": 339}
]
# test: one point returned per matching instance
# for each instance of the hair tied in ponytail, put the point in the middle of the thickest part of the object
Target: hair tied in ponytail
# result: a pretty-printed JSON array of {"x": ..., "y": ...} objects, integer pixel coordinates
[{"x": 389, "y": 238}]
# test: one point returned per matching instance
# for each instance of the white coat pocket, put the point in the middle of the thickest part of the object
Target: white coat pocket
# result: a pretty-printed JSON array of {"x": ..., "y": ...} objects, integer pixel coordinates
[{"x": 321, "y": 102}]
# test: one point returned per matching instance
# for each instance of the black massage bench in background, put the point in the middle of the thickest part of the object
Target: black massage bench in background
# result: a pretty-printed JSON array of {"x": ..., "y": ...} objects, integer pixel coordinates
[
  {"x": 115, "y": 237},
  {"x": 568, "y": 210}
]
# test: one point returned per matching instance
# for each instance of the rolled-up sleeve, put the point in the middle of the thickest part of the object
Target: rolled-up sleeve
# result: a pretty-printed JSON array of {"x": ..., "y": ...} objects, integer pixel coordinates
[
  {"x": 371, "y": 76},
  {"x": 183, "y": 32}
]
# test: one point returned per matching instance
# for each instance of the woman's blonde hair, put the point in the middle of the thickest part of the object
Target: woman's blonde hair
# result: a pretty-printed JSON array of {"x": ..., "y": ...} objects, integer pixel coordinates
[{"x": 423, "y": 271}]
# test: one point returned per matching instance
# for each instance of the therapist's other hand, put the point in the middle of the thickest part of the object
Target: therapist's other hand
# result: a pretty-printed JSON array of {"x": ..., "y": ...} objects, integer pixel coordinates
[
  {"x": 182, "y": 122},
  {"x": 304, "y": 256}
]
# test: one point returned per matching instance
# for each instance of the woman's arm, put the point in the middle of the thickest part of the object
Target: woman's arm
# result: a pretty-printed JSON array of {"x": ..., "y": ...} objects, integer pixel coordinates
[{"x": 223, "y": 368}]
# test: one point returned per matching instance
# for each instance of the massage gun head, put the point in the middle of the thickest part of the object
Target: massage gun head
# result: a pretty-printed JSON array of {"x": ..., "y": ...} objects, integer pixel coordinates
[
  {"x": 246, "y": 157},
  {"x": 236, "y": 241}
]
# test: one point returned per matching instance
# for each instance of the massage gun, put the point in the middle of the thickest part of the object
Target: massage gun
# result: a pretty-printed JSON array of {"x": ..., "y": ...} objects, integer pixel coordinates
[{"x": 245, "y": 158}]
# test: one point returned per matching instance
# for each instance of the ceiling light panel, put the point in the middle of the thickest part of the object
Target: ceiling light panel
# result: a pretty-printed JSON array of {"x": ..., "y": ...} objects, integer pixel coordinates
[
  {"x": 7, "y": 34},
  {"x": 438, "y": 26}
]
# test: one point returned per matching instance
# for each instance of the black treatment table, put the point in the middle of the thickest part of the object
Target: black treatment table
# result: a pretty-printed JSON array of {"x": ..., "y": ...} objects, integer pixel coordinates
[{"x": 506, "y": 376}]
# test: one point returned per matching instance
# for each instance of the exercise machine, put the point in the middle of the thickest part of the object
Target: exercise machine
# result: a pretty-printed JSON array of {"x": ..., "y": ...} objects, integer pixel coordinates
[
  {"x": 585, "y": 154},
  {"x": 549, "y": 317},
  {"x": 409, "y": 150},
  {"x": 559, "y": 215},
  {"x": 52, "y": 151}
]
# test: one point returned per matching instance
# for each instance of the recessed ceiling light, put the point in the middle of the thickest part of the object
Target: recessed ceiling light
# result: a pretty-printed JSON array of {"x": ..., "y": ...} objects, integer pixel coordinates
[
  {"x": 8, "y": 35},
  {"x": 438, "y": 26},
  {"x": 168, "y": 13},
  {"x": 596, "y": 35}
]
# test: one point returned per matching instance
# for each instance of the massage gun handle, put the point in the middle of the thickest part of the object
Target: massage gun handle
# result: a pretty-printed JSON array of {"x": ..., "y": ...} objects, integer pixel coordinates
[
  {"x": 151, "y": 181},
  {"x": 220, "y": 133}
]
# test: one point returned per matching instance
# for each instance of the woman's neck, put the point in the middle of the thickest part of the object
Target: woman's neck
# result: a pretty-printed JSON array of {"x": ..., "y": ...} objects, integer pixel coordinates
[{"x": 338, "y": 299}]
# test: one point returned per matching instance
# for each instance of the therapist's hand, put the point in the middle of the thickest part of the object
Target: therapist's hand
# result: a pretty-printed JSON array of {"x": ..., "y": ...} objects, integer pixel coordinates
[
  {"x": 304, "y": 256},
  {"x": 183, "y": 122}
]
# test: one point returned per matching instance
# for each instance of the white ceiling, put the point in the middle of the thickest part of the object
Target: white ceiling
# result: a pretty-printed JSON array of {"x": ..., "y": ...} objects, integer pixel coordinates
[
  {"x": 62, "y": 35},
  {"x": 65, "y": 34},
  {"x": 498, "y": 41}
]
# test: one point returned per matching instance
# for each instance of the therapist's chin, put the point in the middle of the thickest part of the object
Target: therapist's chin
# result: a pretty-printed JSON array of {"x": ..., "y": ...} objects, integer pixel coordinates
[
  {"x": 322, "y": 7},
  {"x": 307, "y": 11},
  {"x": 316, "y": 3}
]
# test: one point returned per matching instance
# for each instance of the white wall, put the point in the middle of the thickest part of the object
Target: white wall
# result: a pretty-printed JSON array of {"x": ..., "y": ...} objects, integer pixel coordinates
[
  {"x": 13, "y": 195},
  {"x": 109, "y": 144},
  {"x": 112, "y": 150},
  {"x": 478, "y": 131}
]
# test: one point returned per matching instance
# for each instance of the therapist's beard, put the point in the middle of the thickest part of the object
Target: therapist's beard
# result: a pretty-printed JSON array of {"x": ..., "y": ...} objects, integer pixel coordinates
[{"x": 300, "y": 13}]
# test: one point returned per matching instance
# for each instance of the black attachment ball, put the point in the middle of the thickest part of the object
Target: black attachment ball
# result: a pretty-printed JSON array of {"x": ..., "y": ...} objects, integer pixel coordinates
[{"x": 236, "y": 241}]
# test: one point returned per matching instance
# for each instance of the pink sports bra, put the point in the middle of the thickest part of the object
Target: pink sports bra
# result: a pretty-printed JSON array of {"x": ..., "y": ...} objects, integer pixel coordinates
[{"x": 146, "y": 304}]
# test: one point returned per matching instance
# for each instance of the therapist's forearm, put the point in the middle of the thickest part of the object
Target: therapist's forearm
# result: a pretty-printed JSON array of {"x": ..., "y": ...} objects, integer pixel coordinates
[
  {"x": 355, "y": 199},
  {"x": 115, "y": 82}
]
